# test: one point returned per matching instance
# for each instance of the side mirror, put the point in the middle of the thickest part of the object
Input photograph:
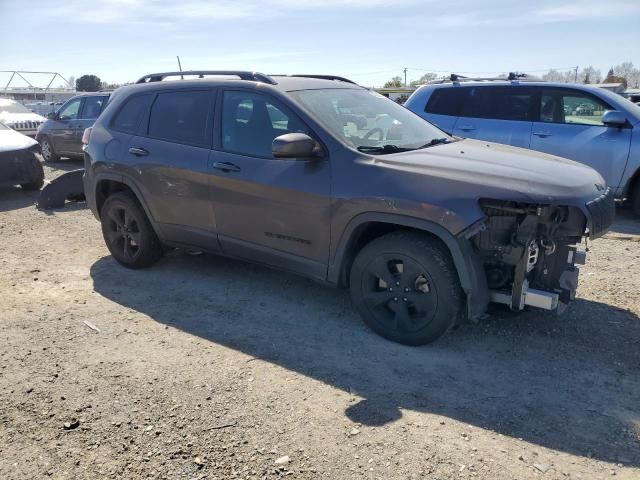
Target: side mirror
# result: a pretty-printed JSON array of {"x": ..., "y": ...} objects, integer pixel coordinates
[
  {"x": 294, "y": 145},
  {"x": 614, "y": 118},
  {"x": 52, "y": 116}
]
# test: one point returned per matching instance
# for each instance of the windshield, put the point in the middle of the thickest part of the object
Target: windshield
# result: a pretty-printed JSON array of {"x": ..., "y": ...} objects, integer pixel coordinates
[
  {"x": 10, "y": 106},
  {"x": 365, "y": 119},
  {"x": 3, "y": 126}
]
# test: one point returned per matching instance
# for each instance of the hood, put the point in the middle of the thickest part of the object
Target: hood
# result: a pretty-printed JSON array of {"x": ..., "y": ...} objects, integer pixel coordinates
[
  {"x": 497, "y": 171},
  {"x": 8, "y": 117},
  {"x": 11, "y": 140}
]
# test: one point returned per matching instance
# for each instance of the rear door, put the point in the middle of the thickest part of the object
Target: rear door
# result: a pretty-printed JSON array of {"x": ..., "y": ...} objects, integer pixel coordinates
[
  {"x": 168, "y": 160},
  {"x": 569, "y": 124},
  {"x": 501, "y": 114},
  {"x": 90, "y": 109}
]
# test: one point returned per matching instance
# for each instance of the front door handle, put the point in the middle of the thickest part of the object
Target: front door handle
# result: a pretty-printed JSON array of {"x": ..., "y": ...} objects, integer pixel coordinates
[
  {"x": 226, "y": 166},
  {"x": 138, "y": 152},
  {"x": 543, "y": 134},
  {"x": 467, "y": 128}
]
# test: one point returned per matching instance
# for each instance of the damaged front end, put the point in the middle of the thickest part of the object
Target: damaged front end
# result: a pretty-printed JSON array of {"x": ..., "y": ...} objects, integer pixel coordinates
[{"x": 530, "y": 252}]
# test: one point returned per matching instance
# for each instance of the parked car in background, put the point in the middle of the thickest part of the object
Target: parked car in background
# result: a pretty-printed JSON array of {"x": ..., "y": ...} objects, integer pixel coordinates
[
  {"x": 18, "y": 117},
  {"x": 61, "y": 134},
  {"x": 18, "y": 162},
  {"x": 319, "y": 176},
  {"x": 583, "y": 123}
]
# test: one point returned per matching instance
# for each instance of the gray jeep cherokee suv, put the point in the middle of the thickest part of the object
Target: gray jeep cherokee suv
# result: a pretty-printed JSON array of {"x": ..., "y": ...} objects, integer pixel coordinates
[{"x": 319, "y": 176}]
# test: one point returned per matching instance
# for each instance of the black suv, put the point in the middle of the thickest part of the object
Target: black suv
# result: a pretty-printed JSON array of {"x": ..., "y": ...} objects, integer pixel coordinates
[
  {"x": 319, "y": 176},
  {"x": 61, "y": 134}
]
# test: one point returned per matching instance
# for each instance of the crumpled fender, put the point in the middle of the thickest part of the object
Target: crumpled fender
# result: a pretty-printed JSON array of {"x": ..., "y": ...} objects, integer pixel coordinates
[{"x": 67, "y": 186}]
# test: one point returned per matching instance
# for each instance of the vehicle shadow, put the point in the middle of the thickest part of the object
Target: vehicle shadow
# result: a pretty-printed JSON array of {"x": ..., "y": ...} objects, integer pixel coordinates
[
  {"x": 568, "y": 383},
  {"x": 626, "y": 222},
  {"x": 15, "y": 198}
]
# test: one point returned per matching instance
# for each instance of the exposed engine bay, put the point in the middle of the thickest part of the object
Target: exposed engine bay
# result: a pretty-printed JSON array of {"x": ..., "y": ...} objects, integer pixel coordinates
[{"x": 530, "y": 253}]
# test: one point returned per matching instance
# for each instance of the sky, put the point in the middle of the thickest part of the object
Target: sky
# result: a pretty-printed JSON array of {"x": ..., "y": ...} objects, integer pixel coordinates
[{"x": 369, "y": 41}]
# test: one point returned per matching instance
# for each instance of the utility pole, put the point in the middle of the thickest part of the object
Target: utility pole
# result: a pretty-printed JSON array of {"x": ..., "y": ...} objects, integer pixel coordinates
[
  {"x": 405, "y": 76},
  {"x": 575, "y": 79}
]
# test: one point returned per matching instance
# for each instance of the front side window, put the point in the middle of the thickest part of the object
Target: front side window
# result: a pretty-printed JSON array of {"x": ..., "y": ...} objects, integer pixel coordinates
[
  {"x": 499, "y": 103},
  {"x": 93, "y": 107},
  {"x": 250, "y": 123},
  {"x": 70, "y": 110},
  {"x": 571, "y": 107},
  {"x": 365, "y": 119},
  {"x": 181, "y": 117}
]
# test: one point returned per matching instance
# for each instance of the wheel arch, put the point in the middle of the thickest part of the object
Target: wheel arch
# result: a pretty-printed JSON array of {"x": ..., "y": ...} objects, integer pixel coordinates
[{"x": 368, "y": 226}]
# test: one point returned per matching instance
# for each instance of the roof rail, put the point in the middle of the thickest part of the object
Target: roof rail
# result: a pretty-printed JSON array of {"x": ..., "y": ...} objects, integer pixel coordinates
[
  {"x": 243, "y": 75},
  {"x": 513, "y": 77},
  {"x": 323, "y": 77}
]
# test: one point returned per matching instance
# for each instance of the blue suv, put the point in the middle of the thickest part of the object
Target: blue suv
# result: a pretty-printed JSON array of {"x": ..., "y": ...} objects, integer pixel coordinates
[{"x": 580, "y": 122}]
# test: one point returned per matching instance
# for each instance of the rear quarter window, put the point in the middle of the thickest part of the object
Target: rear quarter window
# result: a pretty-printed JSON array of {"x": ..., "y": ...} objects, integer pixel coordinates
[
  {"x": 446, "y": 101},
  {"x": 128, "y": 118}
]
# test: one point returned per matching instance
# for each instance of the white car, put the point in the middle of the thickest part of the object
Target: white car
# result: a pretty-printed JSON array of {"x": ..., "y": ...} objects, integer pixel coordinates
[
  {"x": 20, "y": 118},
  {"x": 18, "y": 162}
]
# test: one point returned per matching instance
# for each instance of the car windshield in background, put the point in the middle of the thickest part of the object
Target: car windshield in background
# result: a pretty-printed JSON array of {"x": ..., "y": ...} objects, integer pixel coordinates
[
  {"x": 369, "y": 121},
  {"x": 12, "y": 107}
]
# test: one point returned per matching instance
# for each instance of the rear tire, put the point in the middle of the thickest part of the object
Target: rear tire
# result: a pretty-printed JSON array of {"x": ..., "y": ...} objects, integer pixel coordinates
[
  {"x": 406, "y": 288},
  {"x": 48, "y": 153},
  {"x": 128, "y": 233}
]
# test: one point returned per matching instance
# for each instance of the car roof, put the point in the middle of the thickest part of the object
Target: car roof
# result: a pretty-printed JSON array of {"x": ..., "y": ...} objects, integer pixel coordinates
[{"x": 511, "y": 83}]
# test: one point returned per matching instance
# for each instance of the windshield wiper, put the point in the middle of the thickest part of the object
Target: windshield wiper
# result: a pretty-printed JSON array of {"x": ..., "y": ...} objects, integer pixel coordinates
[
  {"x": 383, "y": 149},
  {"x": 435, "y": 141}
]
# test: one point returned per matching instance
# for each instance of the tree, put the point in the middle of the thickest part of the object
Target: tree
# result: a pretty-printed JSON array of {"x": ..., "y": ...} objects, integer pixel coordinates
[
  {"x": 72, "y": 83},
  {"x": 88, "y": 83},
  {"x": 426, "y": 78},
  {"x": 631, "y": 74},
  {"x": 589, "y": 75},
  {"x": 612, "y": 78},
  {"x": 395, "y": 82}
]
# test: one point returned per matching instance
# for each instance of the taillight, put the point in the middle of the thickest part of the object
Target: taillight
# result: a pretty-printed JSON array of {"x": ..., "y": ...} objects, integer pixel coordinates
[{"x": 86, "y": 135}]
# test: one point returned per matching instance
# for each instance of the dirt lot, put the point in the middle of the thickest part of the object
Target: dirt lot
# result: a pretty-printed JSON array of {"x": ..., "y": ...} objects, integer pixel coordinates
[{"x": 209, "y": 368}]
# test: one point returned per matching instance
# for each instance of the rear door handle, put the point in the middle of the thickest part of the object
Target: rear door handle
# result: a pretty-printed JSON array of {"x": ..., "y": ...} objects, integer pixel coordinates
[
  {"x": 226, "y": 166},
  {"x": 138, "y": 152},
  {"x": 467, "y": 128},
  {"x": 543, "y": 134}
]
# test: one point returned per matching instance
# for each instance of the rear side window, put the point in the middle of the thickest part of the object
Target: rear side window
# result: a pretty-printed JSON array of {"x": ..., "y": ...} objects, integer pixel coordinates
[
  {"x": 499, "y": 103},
  {"x": 128, "y": 118},
  {"x": 446, "y": 101},
  {"x": 181, "y": 117},
  {"x": 93, "y": 106}
]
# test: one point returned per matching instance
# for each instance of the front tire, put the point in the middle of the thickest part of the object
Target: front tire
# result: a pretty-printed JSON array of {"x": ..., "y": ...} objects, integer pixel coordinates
[
  {"x": 128, "y": 233},
  {"x": 406, "y": 288},
  {"x": 48, "y": 153}
]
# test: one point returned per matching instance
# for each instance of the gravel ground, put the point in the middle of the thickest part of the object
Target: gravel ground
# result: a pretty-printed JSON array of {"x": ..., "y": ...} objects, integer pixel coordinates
[{"x": 202, "y": 367}]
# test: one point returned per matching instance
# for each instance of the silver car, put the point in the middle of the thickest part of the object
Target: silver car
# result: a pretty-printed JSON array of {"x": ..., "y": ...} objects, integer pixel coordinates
[{"x": 580, "y": 122}]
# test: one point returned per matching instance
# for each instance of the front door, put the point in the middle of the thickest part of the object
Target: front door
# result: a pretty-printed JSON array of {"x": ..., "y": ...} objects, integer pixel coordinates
[
  {"x": 268, "y": 210},
  {"x": 500, "y": 114},
  {"x": 569, "y": 124},
  {"x": 64, "y": 128}
]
